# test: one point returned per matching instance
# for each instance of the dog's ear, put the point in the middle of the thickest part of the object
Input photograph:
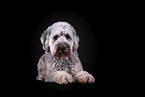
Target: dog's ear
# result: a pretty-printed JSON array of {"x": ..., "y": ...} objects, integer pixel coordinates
[
  {"x": 75, "y": 38},
  {"x": 45, "y": 38},
  {"x": 76, "y": 43}
]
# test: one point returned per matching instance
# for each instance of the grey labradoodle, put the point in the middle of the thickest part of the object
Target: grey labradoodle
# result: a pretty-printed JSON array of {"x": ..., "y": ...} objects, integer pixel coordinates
[{"x": 61, "y": 63}]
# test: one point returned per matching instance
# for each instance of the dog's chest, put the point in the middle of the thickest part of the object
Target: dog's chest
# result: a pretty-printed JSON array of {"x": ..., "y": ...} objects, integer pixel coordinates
[
  {"x": 55, "y": 64},
  {"x": 61, "y": 64}
]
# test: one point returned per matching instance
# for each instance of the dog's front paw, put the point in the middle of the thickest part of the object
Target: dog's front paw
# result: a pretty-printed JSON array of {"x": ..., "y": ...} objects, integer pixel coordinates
[
  {"x": 84, "y": 77},
  {"x": 63, "y": 78}
]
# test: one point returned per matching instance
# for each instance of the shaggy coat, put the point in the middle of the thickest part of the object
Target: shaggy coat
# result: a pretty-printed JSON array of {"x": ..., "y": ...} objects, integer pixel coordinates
[{"x": 58, "y": 65}]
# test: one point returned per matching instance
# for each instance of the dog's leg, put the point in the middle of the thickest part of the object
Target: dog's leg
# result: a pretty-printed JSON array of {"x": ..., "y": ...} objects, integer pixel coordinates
[
  {"x": 84, "y": 77},
  {"x": 41, "y": 68},
  {"x": 79, "y": 74},
  {"x": 60, "y": 77}
]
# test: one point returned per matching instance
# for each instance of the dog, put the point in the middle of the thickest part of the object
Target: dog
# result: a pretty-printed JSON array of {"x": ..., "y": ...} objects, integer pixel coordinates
[{"x": 60, "y": 63}]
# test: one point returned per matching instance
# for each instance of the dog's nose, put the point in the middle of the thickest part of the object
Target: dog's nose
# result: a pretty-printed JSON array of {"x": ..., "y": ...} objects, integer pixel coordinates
[{"x": 62, "y": 48}]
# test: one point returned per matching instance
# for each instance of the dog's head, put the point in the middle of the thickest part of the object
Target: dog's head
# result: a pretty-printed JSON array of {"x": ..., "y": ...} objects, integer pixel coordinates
[{"x": 60, "y": 39}]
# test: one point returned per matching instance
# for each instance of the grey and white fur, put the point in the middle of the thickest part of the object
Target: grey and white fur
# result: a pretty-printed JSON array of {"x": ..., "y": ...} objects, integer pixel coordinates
[{"x": 61, "y": 63}]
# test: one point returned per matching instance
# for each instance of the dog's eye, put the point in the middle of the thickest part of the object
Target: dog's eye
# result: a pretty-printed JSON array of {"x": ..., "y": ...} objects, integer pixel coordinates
[
  {"x": 67, "y": 36},
  {"x": 55, "y": 37}
]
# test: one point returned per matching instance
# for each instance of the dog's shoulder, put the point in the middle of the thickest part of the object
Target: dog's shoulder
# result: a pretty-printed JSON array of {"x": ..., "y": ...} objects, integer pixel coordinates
[
  {"x": 75, "y": 57},
  {"x": 42, "y": 57}
]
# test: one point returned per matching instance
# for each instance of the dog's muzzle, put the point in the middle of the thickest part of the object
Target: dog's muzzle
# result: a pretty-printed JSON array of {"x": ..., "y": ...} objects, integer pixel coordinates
[{"x": 62, "y": 50}]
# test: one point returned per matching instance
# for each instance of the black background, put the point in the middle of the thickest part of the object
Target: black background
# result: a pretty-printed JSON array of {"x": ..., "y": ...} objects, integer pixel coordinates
[
  {"x": 106, "y": 23},
  {"x": 94, "y": 49}
]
